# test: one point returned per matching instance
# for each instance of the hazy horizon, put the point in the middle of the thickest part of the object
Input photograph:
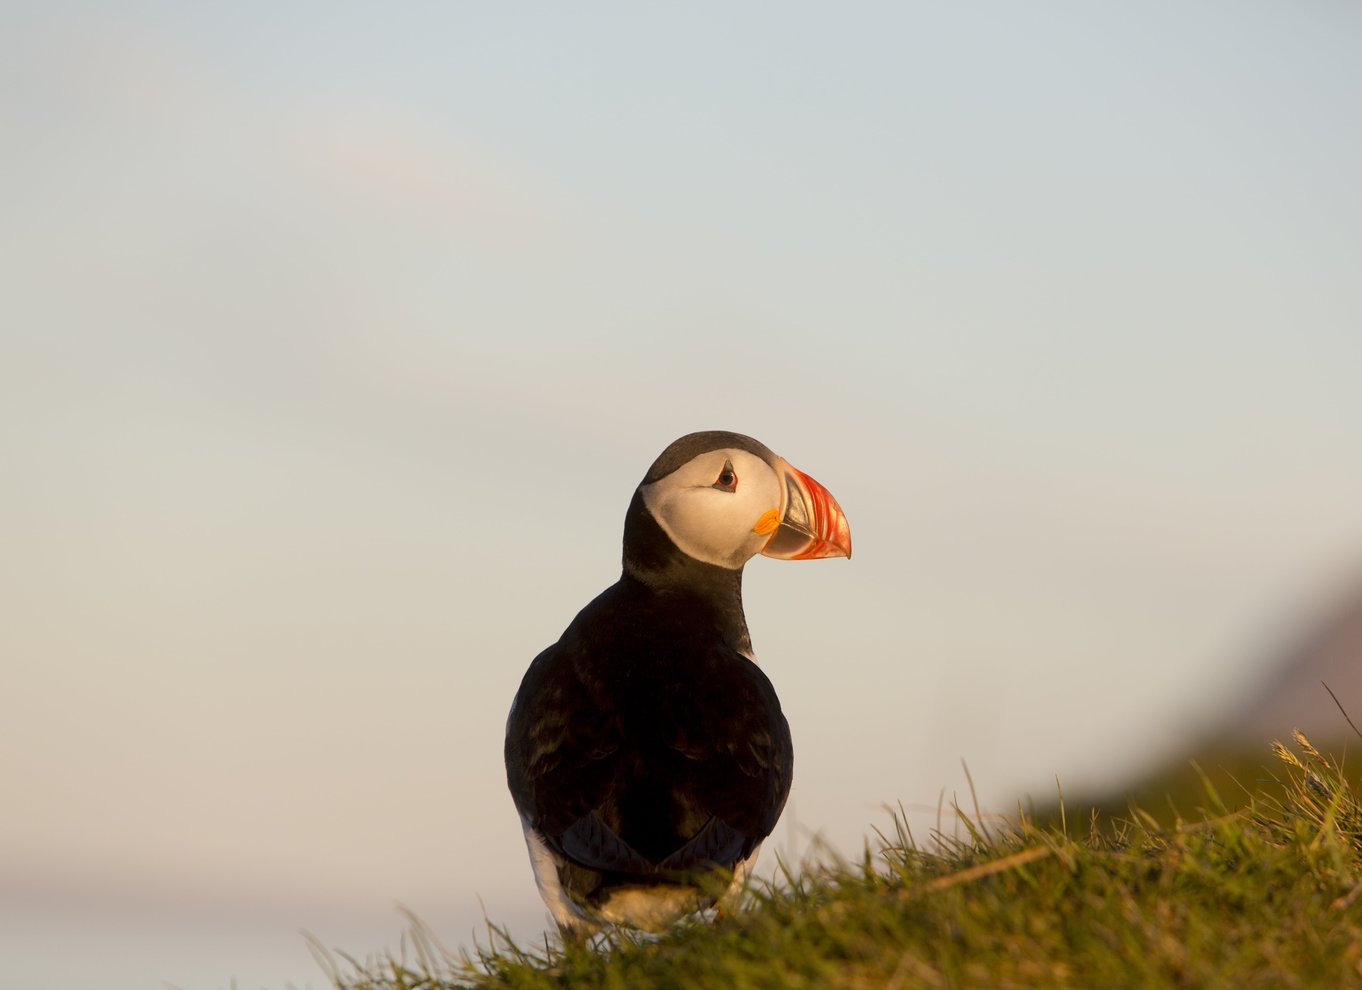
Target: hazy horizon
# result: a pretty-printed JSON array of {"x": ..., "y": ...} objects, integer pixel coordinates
[{"x": 338, "y": 337}]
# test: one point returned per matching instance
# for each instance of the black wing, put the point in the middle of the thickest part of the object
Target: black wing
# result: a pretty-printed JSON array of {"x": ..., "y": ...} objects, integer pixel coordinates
[{"x": 644, "y": 748}]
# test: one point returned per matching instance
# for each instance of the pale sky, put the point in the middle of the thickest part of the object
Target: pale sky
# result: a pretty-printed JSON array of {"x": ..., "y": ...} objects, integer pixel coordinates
[{"x": 337, "y": 336}]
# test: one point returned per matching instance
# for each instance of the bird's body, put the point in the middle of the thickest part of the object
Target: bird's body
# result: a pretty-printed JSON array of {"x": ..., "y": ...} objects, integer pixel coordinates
[{"x": 646, "y": 752}]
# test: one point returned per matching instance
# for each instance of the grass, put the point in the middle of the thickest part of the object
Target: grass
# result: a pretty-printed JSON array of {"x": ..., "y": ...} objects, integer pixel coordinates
[{"x": 1267, "y": 893}]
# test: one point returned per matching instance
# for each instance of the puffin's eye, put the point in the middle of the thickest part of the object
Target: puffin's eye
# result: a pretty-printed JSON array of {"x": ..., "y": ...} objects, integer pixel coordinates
[{"x": 728, "y": 479}]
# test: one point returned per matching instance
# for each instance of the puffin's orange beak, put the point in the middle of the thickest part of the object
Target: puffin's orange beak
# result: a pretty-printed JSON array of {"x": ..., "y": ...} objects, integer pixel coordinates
[{"x": 812, "y": 524}]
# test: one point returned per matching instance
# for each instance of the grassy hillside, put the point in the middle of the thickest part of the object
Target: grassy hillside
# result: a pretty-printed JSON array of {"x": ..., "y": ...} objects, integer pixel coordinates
[{"x": 1267, "y": 894}]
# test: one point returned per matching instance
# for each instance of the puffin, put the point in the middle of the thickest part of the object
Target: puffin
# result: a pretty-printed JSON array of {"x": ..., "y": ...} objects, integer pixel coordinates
[{"x": 646, "y": 752}]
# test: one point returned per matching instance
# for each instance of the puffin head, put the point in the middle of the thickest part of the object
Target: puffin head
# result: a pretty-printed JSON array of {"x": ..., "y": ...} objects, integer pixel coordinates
[{"x": 721, "y": 498}]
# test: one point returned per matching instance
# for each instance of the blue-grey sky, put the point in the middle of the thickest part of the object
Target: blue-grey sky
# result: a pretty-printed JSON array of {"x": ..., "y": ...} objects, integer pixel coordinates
[{"x": 336, "y": 337}]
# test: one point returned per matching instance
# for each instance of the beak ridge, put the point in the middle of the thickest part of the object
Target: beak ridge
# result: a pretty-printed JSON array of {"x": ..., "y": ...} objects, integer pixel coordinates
[{"x": 812, "y": 524}]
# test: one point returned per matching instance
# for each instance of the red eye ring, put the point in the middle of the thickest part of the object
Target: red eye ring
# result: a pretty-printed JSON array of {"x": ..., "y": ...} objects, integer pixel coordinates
[{"x": 727, "y": 480}]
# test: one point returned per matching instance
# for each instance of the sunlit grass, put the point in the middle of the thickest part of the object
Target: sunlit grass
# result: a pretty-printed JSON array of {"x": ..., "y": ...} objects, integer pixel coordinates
[{"x": 1267, "y": 893}]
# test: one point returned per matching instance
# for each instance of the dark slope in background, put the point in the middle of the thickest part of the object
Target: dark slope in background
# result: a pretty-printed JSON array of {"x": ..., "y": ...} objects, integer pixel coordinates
[
  {"x": 1233, "y": 755},
  {"x": 1294, "y": 696}
]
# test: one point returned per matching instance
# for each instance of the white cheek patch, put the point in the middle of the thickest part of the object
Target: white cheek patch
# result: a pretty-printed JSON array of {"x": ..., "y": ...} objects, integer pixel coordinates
[{"x": 707, "y": 523}]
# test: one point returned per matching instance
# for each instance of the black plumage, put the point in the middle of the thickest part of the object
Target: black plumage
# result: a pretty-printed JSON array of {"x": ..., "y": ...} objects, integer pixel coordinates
[{"x": 645, "y": 749}]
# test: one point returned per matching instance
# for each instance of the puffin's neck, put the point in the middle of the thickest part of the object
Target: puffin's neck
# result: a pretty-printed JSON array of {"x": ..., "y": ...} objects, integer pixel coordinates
[{"x": 654, "y": 564}]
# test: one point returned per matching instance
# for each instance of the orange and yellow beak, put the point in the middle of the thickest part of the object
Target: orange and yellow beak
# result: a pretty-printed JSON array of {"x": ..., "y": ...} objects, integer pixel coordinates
[{"x": 810, "y": 524}]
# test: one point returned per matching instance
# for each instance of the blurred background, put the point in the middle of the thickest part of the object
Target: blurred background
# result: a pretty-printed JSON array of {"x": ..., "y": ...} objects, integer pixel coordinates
[{"x": 336, "y": 337}]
